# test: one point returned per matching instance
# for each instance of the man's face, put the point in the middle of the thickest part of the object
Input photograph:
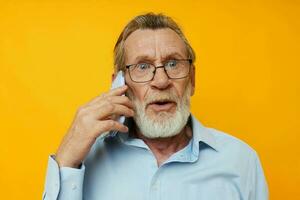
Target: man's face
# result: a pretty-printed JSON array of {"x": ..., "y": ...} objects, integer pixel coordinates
[{"x": 158, "y": 46}]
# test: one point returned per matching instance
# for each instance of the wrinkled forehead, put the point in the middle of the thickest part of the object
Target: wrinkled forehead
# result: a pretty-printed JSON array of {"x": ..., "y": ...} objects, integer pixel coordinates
[{"x": 153, "y": 45}]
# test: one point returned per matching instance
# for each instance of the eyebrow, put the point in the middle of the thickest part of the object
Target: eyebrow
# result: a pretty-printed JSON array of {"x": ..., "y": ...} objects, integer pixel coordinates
[
  {"x": 144, "y": 58},
  {"x": 172, "y": 55}
]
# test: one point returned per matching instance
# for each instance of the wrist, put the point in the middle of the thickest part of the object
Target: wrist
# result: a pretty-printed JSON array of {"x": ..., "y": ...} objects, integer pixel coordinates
[{"x": 63, "y": 163}]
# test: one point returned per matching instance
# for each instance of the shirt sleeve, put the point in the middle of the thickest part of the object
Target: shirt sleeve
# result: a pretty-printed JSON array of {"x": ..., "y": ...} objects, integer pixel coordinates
[
  {"x": 258, "y": 189},
  {"x": 63, "y": 183},
  {"x": 261, "y": 183}
]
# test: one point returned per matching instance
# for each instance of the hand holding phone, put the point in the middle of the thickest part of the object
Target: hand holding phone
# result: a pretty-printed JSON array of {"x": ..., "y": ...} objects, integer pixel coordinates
[{"x": 94, "y": 120}]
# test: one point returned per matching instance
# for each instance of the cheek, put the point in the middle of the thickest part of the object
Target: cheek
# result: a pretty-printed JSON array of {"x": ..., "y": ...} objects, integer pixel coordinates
[
  {"x": 137, "y": 90},
  {"x": 139, "y": 93},
  {"x": 180, "y": 87}
]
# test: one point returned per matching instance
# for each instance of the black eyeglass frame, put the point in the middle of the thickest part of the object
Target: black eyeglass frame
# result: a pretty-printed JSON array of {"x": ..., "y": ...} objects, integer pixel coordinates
[{"x": 161, "y": 66}]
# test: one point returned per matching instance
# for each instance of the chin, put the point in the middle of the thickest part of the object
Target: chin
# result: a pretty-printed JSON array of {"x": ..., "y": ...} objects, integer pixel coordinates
[
  {"x": 161, "y": 116},
  {"x": 161, "y": 124}
]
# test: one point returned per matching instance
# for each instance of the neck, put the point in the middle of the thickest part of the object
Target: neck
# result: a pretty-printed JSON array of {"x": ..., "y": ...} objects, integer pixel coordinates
[{"x": 163, "y": 148}]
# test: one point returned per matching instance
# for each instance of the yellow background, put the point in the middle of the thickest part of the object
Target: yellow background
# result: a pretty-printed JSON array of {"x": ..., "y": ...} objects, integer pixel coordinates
[{"x": 57, "y": 55}]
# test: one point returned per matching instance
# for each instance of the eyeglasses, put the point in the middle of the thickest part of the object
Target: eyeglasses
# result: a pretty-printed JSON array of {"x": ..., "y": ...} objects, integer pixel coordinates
[{"x": 144, "y": 72}]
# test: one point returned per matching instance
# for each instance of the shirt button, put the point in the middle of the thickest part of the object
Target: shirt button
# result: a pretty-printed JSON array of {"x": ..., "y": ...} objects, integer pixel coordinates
[{"x": 73, "y": 186}]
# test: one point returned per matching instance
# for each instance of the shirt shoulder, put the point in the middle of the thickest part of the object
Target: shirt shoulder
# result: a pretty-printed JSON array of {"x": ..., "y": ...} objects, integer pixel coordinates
[{"x": 231, "y": 144}]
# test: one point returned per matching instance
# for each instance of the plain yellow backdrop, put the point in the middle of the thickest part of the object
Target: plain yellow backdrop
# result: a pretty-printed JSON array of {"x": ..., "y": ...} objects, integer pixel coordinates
[{"x": 57, "y": 55}]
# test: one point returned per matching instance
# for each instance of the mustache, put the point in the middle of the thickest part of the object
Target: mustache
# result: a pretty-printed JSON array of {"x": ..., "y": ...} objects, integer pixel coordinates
[
  {"x": 160, "y": 97},
  {"x": 155, "y": 96}
]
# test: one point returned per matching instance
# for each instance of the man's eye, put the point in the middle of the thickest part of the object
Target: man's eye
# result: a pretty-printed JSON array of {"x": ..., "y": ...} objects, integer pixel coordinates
[
  {"x": 171, "y": 63},
  {"x": 142, "y": 66}
]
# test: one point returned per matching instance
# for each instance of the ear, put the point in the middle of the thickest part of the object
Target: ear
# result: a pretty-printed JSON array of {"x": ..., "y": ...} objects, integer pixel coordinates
[{"x": 193, "y": 75}]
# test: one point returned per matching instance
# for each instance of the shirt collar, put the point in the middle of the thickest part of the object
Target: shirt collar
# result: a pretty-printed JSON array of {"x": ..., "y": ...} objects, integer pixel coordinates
[{"x": 202, "y": 134}]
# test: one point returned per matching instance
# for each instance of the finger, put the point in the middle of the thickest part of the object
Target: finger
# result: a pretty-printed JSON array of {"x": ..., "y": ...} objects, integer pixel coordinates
[
  {"x": 109, "y": 125},
  {"x": 115, "y": 92},
  {"x": 108, "y": 109},
  {"x": 123, "y": 100}
]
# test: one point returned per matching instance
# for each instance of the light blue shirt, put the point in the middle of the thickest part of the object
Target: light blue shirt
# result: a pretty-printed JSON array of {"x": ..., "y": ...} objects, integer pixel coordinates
[{"x": 213, "y": 166}]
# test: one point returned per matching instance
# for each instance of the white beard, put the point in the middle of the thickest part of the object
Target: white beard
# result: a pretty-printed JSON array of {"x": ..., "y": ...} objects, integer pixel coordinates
[{"x": 164, "y": 124}]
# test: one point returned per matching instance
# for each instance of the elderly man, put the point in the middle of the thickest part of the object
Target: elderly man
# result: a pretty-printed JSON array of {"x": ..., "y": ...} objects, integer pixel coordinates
[{"x": 161, "y": 151}]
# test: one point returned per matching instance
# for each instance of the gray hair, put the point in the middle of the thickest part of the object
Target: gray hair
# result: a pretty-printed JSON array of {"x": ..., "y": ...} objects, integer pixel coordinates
[{"x": 147, "y": 21}]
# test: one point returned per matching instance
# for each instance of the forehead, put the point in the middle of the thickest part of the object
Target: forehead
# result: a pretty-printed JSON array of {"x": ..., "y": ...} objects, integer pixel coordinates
[{"x": 154, "y": 44}]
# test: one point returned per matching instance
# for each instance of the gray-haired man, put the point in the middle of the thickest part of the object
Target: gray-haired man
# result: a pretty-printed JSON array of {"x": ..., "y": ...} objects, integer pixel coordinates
[{"x": 162, "y": 151}]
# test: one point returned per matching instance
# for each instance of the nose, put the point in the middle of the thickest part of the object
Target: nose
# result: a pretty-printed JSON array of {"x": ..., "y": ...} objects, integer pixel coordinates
[{"x": 160, "y": 79}]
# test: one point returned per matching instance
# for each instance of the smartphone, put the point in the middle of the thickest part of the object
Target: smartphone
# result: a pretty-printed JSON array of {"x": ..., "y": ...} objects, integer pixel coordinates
[{"x": 118, "y": 82}]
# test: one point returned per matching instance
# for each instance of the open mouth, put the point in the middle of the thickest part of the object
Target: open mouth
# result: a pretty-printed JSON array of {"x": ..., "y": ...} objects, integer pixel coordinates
[{"x": 162, "y": 105}]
